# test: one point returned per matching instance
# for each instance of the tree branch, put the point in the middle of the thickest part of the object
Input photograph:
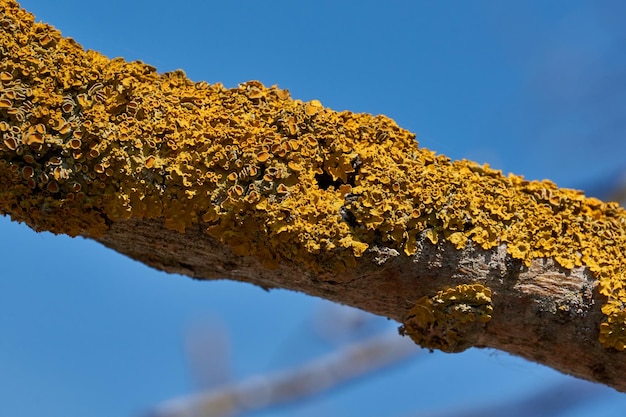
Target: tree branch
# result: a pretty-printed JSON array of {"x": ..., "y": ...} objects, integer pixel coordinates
[
  {"x": 293, "y": 384},
  {"x": 249, "y": 184}
]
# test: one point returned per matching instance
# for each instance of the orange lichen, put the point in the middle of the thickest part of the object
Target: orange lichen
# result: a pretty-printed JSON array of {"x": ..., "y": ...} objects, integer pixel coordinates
[
  {"x": 440, "y": 321},
  {"x": 86, "y": 140}
]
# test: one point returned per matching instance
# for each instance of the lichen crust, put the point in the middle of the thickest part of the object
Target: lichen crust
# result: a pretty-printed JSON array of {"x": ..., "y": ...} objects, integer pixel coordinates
[
  {"x": 444, "y": 320},
  {"x": 86, "y": 141}
]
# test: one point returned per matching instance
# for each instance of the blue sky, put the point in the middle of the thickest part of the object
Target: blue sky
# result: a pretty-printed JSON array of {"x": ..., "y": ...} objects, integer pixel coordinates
[{"x": 537, "y": 88}]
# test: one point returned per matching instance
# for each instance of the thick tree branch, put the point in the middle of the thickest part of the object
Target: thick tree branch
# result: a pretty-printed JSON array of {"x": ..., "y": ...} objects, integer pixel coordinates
[{"x": 249, "y": 184}]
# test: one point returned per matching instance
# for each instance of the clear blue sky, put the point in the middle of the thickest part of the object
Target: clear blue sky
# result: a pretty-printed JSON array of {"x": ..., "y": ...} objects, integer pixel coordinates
[{"x": 537, "y": 88}]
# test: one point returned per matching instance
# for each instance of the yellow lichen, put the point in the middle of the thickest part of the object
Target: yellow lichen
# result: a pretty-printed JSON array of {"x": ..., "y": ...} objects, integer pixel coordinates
[
  {"x": 613, "y": 330},
  {"x": 86, "y": 141},
  {"x": 443, "y": 320}
]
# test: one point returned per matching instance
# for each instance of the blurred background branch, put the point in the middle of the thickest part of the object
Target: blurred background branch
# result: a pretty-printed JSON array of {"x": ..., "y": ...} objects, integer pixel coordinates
[{"x": 347, "y": 362}]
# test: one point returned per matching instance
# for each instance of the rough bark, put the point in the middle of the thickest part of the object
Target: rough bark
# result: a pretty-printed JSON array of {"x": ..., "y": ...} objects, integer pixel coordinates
[
  {"x": 251, "y": 185},
  {"x": 545, "y": 313}
]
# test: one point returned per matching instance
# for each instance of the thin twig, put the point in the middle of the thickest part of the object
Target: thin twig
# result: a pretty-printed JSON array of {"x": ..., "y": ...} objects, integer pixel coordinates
[{"x": 292, "y": 385}]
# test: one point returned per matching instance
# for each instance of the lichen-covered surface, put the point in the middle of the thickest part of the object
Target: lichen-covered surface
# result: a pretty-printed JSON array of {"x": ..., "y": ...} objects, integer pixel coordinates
[
  {"x": 445, "y": 320},
  {"x": 86, "y": 141}
]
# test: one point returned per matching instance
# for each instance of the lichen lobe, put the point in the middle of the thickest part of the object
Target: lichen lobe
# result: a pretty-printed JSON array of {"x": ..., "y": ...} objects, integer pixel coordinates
[{"x": 451, "y": 319}]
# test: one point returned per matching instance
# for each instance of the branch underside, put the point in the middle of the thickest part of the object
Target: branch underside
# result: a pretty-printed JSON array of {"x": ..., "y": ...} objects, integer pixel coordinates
[
  {"x": 544, "y": 312},
  {"x": 252, "y": 185}
]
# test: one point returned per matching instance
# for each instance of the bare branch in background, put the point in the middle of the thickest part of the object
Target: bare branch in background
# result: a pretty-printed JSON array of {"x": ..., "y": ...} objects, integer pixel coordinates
[
  {"x": 547, "y": 402},
  {"x": 208, "y": 350},
  {"x": 263, "y": 391}
]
